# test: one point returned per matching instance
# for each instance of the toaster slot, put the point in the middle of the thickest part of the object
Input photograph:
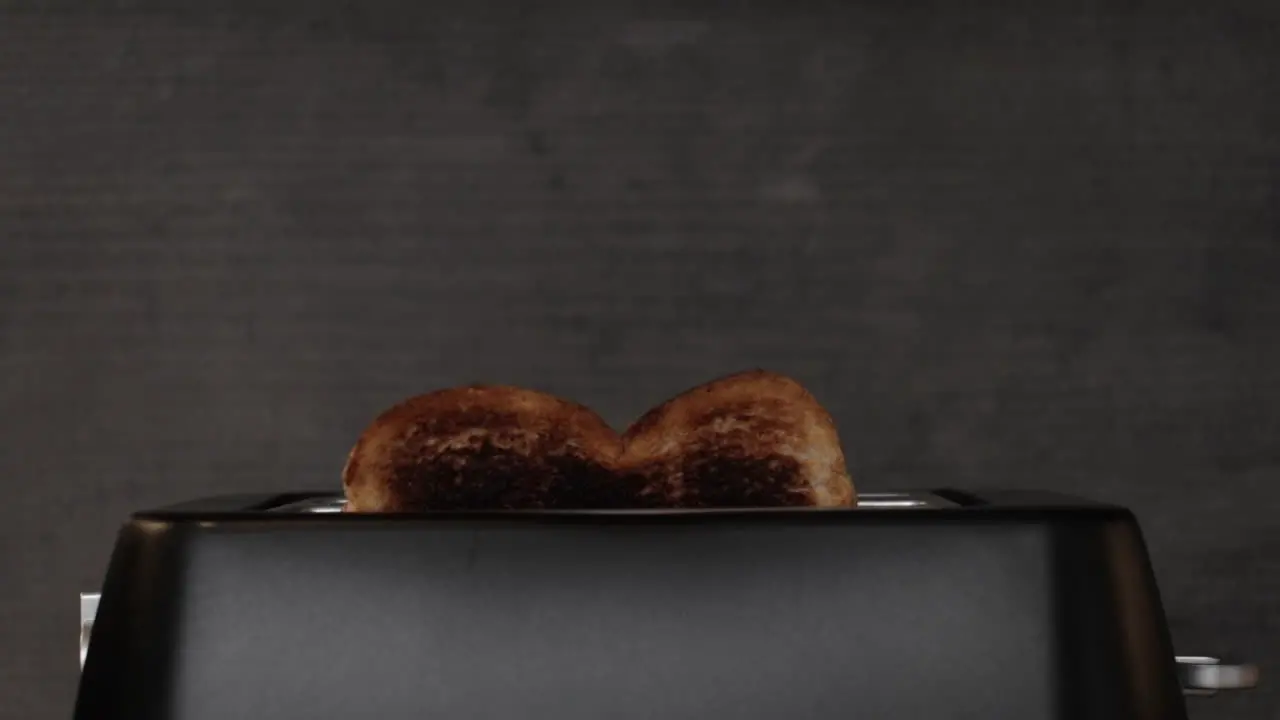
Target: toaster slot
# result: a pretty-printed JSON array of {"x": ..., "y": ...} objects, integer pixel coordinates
[{"x": 919, "y": 500}]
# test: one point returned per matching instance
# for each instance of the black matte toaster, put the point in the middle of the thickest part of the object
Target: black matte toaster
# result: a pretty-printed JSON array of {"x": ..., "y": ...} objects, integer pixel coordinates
[{"x": 937, "y": 604}]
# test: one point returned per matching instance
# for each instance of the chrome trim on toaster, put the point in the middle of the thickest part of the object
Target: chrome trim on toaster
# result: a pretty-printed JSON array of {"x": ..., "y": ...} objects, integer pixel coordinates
[
  {"x": 88, "y": 611},
  {"x": 1205, "y": 676}
]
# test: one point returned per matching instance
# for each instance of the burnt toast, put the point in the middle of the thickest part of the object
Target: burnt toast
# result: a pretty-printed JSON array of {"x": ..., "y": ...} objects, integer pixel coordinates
[
  {"x": 753, "y": 439},
  {"x": 484, "y": 448}
]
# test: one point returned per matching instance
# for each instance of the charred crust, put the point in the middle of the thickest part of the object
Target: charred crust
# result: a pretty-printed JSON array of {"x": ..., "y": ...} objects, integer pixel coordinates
[
  {"x": 464, "y": 420},
  {"x": 730, "y": 443},
  {"x": 488, "y": 477},
  {"x": 715, "y": 480},
  {"x": 712, "y": 478}
]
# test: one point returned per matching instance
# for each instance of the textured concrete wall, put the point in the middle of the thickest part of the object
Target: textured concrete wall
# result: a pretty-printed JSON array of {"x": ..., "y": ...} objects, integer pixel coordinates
[{"x": 1006, "y": 249}]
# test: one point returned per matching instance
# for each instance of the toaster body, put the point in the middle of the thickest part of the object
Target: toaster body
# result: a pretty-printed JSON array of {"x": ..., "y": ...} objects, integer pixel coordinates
[{"x": 937, "y": 604}]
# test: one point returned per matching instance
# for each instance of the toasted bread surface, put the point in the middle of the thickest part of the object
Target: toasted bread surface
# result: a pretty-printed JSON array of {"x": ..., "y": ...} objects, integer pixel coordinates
[
  {"x": 484, "y": 447},
  {"x": 753, "y": 439}
]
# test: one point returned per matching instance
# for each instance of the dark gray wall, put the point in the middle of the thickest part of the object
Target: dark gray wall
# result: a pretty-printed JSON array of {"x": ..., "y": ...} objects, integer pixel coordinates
[{"x": 1030, "y": 250}]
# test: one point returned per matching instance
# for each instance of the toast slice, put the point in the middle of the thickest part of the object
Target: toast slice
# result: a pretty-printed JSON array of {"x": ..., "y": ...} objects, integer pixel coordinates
[
  {"x": 753, "y": 439},
  {"x": 484, "y": 448}
]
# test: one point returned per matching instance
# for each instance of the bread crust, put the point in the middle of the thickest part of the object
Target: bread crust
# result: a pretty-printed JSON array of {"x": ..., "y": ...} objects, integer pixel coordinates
[
  {"x": 752, "y": 439},
  {"x": 483, "y": 447}
]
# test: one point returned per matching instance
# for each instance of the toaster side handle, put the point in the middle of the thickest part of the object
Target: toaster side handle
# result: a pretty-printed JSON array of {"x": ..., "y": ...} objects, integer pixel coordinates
[{"x": 1205, "y": 676}]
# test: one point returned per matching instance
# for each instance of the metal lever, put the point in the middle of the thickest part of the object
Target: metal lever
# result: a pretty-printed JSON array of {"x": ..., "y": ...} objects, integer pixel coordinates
[
  {"x": 1205, "y": 676},
  {"x": 88, "y": 611}
]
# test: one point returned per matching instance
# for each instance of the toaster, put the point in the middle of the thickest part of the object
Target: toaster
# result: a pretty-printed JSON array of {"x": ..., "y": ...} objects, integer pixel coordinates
[{"x": 928, "y": 604}]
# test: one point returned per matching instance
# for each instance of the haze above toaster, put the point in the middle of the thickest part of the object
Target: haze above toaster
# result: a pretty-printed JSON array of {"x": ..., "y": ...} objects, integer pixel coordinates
[{"x": 935, "y": 604}]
